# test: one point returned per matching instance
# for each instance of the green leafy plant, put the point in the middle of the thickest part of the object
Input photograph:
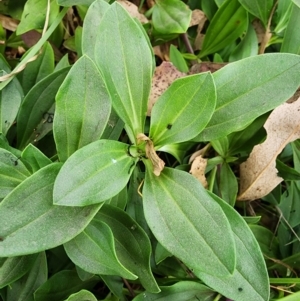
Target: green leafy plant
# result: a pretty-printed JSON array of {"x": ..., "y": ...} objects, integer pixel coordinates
[{"x": 104, "y": 200}]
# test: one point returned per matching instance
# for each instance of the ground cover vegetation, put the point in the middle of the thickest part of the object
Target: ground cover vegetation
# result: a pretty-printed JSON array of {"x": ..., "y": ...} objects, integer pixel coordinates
[{"x": 149, "y": 150}]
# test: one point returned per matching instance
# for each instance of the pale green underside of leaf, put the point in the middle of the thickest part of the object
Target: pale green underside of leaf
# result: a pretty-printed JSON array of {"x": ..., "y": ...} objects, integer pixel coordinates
[
  {"x": 249, "y": 88},
  {"x": 124, "y": 58},
  {"x": 183, "y": 110},
  {"x": 132, "y": 244},
  {"x": 93, "y": 174},
  {"x": 31, "y": 223},
  {"x": 188, "y": 222},
  {"x": 82, "y": 108},
  {"x": 94, "y": 251},
  {"x": 83, "y": 295},
  {"x": 250, "y": 279}
]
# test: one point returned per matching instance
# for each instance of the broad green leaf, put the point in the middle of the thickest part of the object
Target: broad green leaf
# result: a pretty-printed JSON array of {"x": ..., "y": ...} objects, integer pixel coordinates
[
  {"x": 12, "y": 172},
  {"x": 23, "y": 289},
  {"x": 13, "y": 268},
  {"x": 132, "y": 244},
  {"x": 171, "y": 16},
  {"x": 35, "y": 117},
  {"x": 10, "y": 101},
  {"x": 247, "y": 47},
  {"x": 74, "y": 2},
  {"x": 27, "y": 213},
  {"x": 259, "y": 8},
  {"x": 209, "y": 8},
  {"x": 249, "y": 88},
  {"x": 297, "y": 2},
  {"x": 94, "y": 251},
  {"x": 291, "y": 40},
  {"x": 120, "y": 40},
  {"x": 35, "y": 158},
  {"x": 83, "y": 295},
  {"x": 93, "y": 174},
  {"x": 38, "y": 69},
  {"x": 34, "y": 15},
  {"x": 90, "y": 26},
  {"x": 293, "y": 296},
  {"x": 183, "y": 110},
  {"x": 250, "y": 278},
  {"x": 63, "y": 63},
  {"x": 228, "y": 24},
  {"x": 61, "y": 285},
  {"x": 82, "y": 108},
  {"x": 188, "y": 222},
  {"x": 282, "y": 16},
  {"x": 182, "y": 290}
]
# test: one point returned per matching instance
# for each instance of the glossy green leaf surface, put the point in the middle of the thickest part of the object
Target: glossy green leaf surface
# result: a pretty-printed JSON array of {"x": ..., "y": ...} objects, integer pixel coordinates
[
  {"x": 10, "y": 101},
  {"x": 35, "y": 117},
  {"x": 24, "y": 288},
  {"x": 13, "y": 268},
  {"x": 27, "y": 213},
  {"x": 250, "y": 278},
  {"x": 259, "y": 8},
  {"x": 83, "y": 295},
  {"x": 205, "y": 242},
  {"x": 291, "y": 40},
  {"x": 32, "y": 18},
  {"x": 74, "y": 2},
  {"x": 249, "y": 88},
  {"x": 38, "y": 69},
  {"x": 12, "y": 172},
  {"x": 171, "y": 16},
  {"x": 61, "y": 286},
  {"x": 93, "y": 174},
  {"x": 183, "y": 110},
  {"x": 90, "y": 26},
  {"x": 114, "y": 49},
  {"x": 228, "y": 24},
  {"x": 133, "y": 246},
  {"x": 35, "y": 158},
  {"x": 182, "y": 290},
  {"x": 82, "y": 108},
  {"x": 94, "y": 251}
]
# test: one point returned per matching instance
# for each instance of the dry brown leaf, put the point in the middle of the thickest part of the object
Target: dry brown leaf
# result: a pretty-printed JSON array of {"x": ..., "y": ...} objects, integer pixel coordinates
[
  {"x": 162, "y": 51},
  {"x": 198, "y": 18},
  {"x": 259, "y": 174},
  {"x": 163, "y": 76},
  {"x": 206, "y": 66},
  {"x": 198, "y": 170},
  {"x": 9, "y": 23},
  {"x": 133, "y": 11}
]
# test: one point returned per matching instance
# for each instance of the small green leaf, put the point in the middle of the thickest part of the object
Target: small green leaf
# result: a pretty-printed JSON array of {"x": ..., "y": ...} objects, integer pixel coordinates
[
  {"x": 250, "y": 278},
  {"x": 93, "y": 174},
  {"x": 91, "y": 23},
  {"x": 13, "y": 268},
  {"x": 74, "y": 2},
  {"x": 27, "y": 213},
  {"x": 83, "y": 295},
  {"x": 12, "y": 172},
  {"x": 188, "y": 222},
  {"x": 249, "y": 88},
  {"x": 171, "y": 16},
  {"x": 94, "y": 251},
  {"x": 35, "y": 158},
  {"x": 177, "y": 59},
  {"x": 132, "y": 244},
  {"x": 82, "y": 108},
  {"x": 259, "y": 8},
  {"x": 291, "y": 40},
  {"x": 182, "y": 290},
  {"x": 228, "y": 24},
  {"x": 38, "y": 69},
  {"x": 119, "y": 40},
  {"x": 35, "y": 117},
  {"x": 34, "y": 15},
  {"x": 61, "y": 285},
  {"x": 183, "y": 110}
]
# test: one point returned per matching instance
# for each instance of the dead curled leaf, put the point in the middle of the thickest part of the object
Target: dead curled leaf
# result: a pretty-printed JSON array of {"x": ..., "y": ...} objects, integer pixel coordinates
[
  {"x": 158, "y": 163},
  {"x": 258, "y": 175},
  {"x": 198, "y": 170},
  {"x": 133, "y": 11}
]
